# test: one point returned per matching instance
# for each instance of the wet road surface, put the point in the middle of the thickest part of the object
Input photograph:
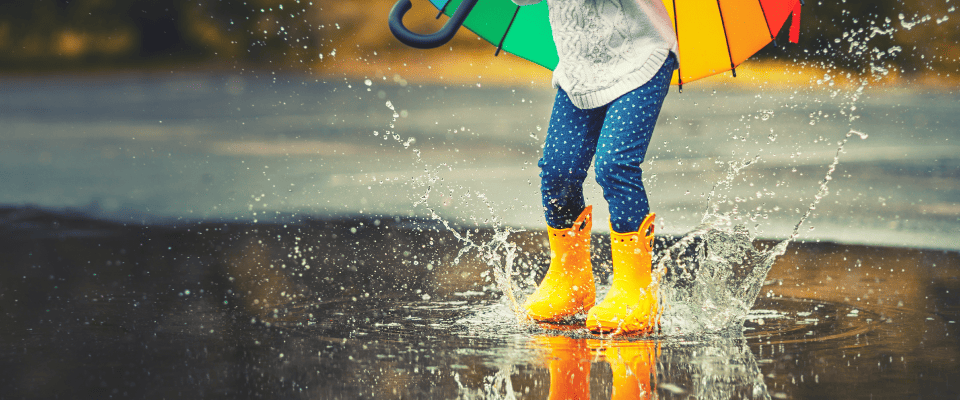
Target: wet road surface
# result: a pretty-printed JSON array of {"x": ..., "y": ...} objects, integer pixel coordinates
[
  {"x": 381, "y": 307},
  {"x": 263, "y": 147}
]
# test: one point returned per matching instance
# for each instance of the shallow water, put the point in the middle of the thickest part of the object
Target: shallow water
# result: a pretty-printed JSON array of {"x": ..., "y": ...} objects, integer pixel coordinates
[{"x": 376, "y": 307}]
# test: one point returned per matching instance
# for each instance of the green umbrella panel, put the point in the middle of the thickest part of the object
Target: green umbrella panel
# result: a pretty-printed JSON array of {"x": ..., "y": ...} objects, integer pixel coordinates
[{"x": 522, "y": 31}]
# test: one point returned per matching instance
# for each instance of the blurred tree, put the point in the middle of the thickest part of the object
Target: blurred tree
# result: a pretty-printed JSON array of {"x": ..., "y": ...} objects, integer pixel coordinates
[
  {"x": 929, "y": 35},
  {"x": 65, "y": 33},
  {"x": 305, "y": 34},
  {"x": 876, "y": 34},
  {"x": 274, "y": 32},
  {"x": 158, "y": 25}
]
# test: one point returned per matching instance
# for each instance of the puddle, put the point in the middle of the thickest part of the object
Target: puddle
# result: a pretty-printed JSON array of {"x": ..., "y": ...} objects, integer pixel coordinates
[
  {"x": 376, "y": 307},
  {"x": 409, "y": 286}
]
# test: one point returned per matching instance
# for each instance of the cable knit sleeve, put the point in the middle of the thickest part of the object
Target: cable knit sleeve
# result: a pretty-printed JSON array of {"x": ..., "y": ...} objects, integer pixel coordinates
[{"x": 526, "y": 2}]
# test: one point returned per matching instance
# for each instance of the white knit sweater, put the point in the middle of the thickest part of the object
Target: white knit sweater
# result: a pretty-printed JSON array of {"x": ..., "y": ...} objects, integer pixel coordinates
[{"x": 607, "y": 48}]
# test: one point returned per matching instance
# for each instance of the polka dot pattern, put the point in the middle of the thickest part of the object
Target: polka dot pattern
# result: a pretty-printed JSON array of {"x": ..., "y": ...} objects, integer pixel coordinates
[{"x": 615, "y": 137}]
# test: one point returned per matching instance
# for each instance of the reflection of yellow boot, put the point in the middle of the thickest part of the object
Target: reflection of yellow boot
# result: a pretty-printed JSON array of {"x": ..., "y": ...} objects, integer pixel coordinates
[
  {"x": 632, "y": 305},
  {"x": 634, "y": 367},
  {"x": 569, "y": 363},
  {"x": 568, "y": 287}
]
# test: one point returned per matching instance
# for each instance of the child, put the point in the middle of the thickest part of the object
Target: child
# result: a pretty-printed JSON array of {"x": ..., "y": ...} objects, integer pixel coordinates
[{"x": 616, "y": 61}]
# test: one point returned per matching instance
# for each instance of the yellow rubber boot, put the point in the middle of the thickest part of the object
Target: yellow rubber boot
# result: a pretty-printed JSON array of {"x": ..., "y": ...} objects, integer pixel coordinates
[
  {"x": 569, "y": 364},
  {"x": 568, "y": 288},
  {"x": 632, "y": 305},
  {"x": 634, "y": 368}
]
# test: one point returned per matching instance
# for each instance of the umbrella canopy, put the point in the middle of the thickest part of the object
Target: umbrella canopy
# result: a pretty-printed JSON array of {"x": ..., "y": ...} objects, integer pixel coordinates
[{"x": 714, "y": 36}]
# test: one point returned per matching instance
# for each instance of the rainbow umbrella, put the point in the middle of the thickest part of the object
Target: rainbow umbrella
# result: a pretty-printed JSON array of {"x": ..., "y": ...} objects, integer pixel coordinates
[{"x": 714, "y": 36}]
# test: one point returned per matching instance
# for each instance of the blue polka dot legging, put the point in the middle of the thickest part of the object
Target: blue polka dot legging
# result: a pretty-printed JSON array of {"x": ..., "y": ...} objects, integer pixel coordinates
[{"x": 618, "y": 134}]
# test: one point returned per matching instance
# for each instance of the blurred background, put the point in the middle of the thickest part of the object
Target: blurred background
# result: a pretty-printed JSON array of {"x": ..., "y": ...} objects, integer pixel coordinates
[
  {"x": 96, "y": 35},
  {"x": 153, "y": 111}
]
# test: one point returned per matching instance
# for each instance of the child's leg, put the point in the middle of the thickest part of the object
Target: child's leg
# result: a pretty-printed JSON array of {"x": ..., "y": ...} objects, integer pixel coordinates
[
  {"x": 622, "y": 146},
  {"x": 568, "y": 287},
  {"x": 632, "y": 304},
  {"x": 570, "y": 144}
]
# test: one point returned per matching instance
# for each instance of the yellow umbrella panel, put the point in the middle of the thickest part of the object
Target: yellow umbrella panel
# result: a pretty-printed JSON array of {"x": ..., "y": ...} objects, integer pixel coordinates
[{"x": 715, "y": 36}]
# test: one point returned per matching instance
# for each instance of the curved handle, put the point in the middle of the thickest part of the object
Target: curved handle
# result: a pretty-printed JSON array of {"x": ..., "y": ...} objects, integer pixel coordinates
[{"x": 432, "y": 40}]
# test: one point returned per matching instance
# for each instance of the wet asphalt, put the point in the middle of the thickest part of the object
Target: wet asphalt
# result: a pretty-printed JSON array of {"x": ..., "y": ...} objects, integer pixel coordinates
[
  {"x": 377, "y": 307},
  {"x": 249, "y": 147}
]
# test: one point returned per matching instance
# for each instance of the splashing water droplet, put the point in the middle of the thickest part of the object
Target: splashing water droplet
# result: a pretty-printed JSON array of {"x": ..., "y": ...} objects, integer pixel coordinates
[{"x": 858, "y": 133}]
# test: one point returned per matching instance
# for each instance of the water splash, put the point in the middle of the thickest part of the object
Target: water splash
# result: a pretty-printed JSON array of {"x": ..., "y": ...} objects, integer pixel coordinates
[
  {"x": 498, "y": 252},
  {"x": 496, "y": 386},
  {"x": 710, "y": 278},
  {"x": 718, "y": 369}
]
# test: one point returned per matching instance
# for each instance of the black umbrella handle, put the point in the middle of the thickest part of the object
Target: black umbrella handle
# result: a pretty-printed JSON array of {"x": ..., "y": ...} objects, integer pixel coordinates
[{"x": 432, "y": 40}]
